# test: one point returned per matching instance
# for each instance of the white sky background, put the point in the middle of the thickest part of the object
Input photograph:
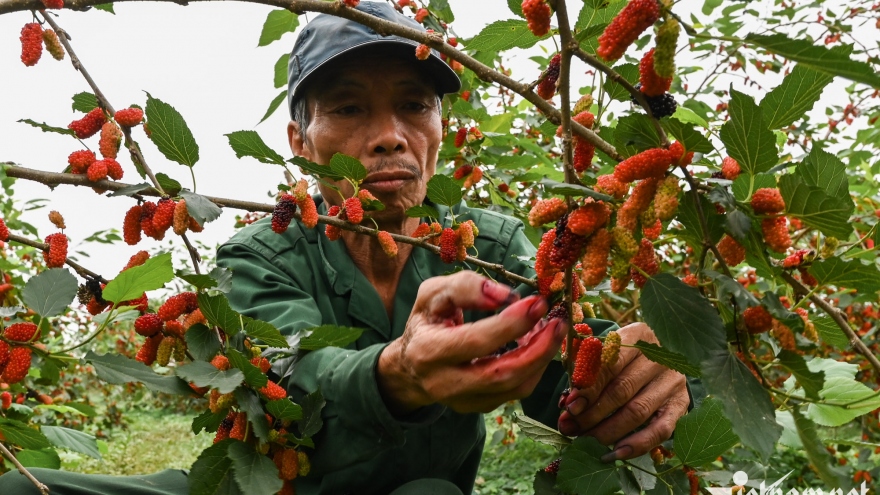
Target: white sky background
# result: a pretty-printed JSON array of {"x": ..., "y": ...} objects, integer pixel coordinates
[{"x": 203, "y": 60}]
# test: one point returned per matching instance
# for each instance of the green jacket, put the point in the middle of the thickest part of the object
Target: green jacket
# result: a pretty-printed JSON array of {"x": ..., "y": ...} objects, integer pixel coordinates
[{"x": 299, "y": 280}]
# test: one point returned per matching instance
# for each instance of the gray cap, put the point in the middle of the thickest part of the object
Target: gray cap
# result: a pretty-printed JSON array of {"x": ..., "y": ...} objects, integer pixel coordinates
[{"x": 327, "y": 37}]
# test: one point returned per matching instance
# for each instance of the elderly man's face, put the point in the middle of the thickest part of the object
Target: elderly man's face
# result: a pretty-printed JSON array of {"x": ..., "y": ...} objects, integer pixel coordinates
[{"x": 382, "y": 111}]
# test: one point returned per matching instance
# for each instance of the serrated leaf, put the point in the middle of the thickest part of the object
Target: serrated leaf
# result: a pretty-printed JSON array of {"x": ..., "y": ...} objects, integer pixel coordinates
[
  {"x": 644, "y": 476},
  {"x": 728, "y": 287},
  {"x": 132, "y": 189},
  {"x": 846, "y": 399},
  {"x": 18, "y": 433},
  {"x": 114, "y": 368},
  {"x": 312, "y": 404},
  {"x": 703, "y": 434},
  {"x": 199, "y": 281},
  {"x": 210, "y": 469},
  {"x": 204, "y": 374},
  {"x": 250, "y": 404},
  {"x": 202, "y": 342},
  {"x": 832, "y": 62},
  {"x": 811, "y": 381},
  {"x": 255, "y": 473},
  {"x": 252, "y": 374},
  {"x": 285, "y": 410},
  {"x": 208, "y": 421},
  {"x": 592, "y": 20},
  {"x": 169, "y": 185},
  {"x": 273, "y": 105},
  {"x": 515, "y": 6},
  {"x": 277, "y": 23},
  {"x": 329, "y": 336},
  {"x": 688, "y": 116},
  {"x": 313, "y": 168},
  {"x": 249, "y": 143},
  {"x": 684, "y": 321},
  {"x": 422, "y": 211},
  {"x": 746, "y": 404},
  {"x": 48, "y": 128},
  {"x": 280, "y": 71},
  {"x": 629, "y": 72},
  {"x": 443, "y": 190},
  {"x": 43, "y": 458},
  {"x": 851, "y": 274},
  {"x": 687, "y": 135},
  {"x": 219, "y": 313},
  {"x": 504, "y": 35},
  {"x": 746, "y": 136},
  {"x": 170, "y": 133},
  {"x": 819, "y": 457},
  {"x": 689, "y": 216},
  {"x": 202, "y": 209},
  {"x": 577, "y": 190},
  {"x": 814, "y": 207},
  {"x": 538, "y": 432},
  {"x": 106, "y": 7},
  {"x": 131, "y": 283},
  {"x": 635, "y": 133},
  {"x": 671, "y": 360},
  {"x": 825, "y": 171},
  {"x": 84, "y": 102},
  {"x": 791, "y": 100},
  {"x": 348, "y": 167},
  {"x": 265, "y": 332},
  {"x": 74, "y": 440},
  {"x": 829, "y": 332},
  {"x": 50, "y": 292},
  {"x": 582, "y": 471}
]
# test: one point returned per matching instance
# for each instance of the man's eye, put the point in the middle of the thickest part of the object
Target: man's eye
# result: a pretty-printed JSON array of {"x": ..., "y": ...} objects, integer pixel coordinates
[
  {"x": 347, "y": 110},
  {"x": 415, "y": 105}
]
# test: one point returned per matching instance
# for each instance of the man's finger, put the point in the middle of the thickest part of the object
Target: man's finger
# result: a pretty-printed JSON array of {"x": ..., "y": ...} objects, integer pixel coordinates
[
  {"x": 659, "y": 429},
  {"x": 445, "y": 296}
]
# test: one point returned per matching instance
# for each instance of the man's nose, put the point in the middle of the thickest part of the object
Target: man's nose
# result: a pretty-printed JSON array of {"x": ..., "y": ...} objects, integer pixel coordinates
[{"x": 388, "y": 136}]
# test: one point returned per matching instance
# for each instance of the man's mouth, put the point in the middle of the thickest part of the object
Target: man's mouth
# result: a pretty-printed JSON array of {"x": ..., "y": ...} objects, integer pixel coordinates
[{"x": 387, "y": 180}]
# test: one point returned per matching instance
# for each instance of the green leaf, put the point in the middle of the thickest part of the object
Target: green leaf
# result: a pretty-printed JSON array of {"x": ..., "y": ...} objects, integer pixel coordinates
[
  {"x": 219, "y": 313},
  {"x": 18, "y": 433},
  {"x": 730, "y": 288},
  {"x": 830, "y": 333},
  {"x": 114, "y": 368},
  {"x": 538, "y": 432},
  {"x": 814, "y": 207},
  {"x": 671, "y": 360},
  {"x": 746, "y": 136},
  {"x": 131, "y": 283},
  {"x": 132, "y": 189},
  {"x": 629, "y": 72},
  {"x": 689, "y": 216},
  {"x": 703, "y": 434},
  {"x": 208, "y": 421},
  {"x": 636, "y": 133},
  {"x": 832, "y": 62},
  {"x": 50, "y": 292},
  {"x": 252, "y": 374},
  {"x": 504, "y": 35},
  {"x": 687, "y": 135},
  {"x": 273, "y": 105},
  {"x": 811, "y": 381},
  {"x": 249, "y": 402},
  {"x": 204, "y": 374},
  {"x": 74, "y": 440},
  {"x": 210, "y": 469},
  {"x": 348, "y": 167},
  {"x": 48, "y": 128},
  {"x": 851, "y": 274},
  {"x": 202, "y": 342},
  {"x": 265, "y": 332},
  {"x": 791, "y": 100},
  {"x": 84, "y": 102},
  {"x": 313, "y": 168},
  {"x": 106, "y": 7},
  {"x": 746, "y": 404},
  {"x": 515, "y": 6},
  {"x": 422, "y": 211},
  {"x": 199, "y": 281},
  {"x": 170, "y": 133},
  {"x": 582, "y": 471},
  {"x": 285, "y": 410},
  {"x": 277, "y": 23},
  {"x": 255, "y": 473},
  {"x": 249, "y": 143},
  {"x": 443, "y": 190},
  {"x": 777, "y": 310},
  {"x": 555, "y": 187},
  {"x": 819, "y": 457},
  {"x": 63, "y": 409},
  {"x": 849, "y": 400},
  {"x": 592, "y": 20},
  {"x": 280, "y": 71},
  {"x": 169, "y": 185},
  {"x": 329, "y": 336},
  {"x": 825, "y": 171},
  {"x": 312, "y": 404},
  {"x": 43, "y": 458},
  {"x": 683, "y": 319},
  {"x": 687, "y": 116},
  {"x": 201, "y": 208}
]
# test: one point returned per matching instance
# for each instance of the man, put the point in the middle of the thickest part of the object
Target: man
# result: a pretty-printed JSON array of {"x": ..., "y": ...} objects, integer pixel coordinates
[{"x": 403, "y": 402}]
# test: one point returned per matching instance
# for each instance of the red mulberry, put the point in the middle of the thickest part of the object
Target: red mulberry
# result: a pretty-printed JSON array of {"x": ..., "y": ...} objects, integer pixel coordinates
[
  {"x": 53, "y": 44},
  {"x": 543, "y": 268},
  {"x": 587, "y": 363},
  {"x": 53, "y": 4},
  {"x": 546, "y": 211},
  {"x": 567, "y": 246},
  {"x": 80, "y": 161},
  {"x": 609, "y": 185},
  {"x": 309, "y": 212},
  {"x": 164, "y": 215},
  {"x": 89, "y": 125},
  {"x": 475, "y": 176},
  {"x": 595, "y": 259},
  {"x": 421, "y": 14},
  {"x": 730, "y": 168},
  {"x": 283, "y": 213},
  {"x": 354, "y": 210},
  {"x": 588, "y": 218},
  {"x": 273, "y": 391},
  {"x": 114, "y": 169},
  {"x": 57, "y": 253},
  {"x": 111, "y": 138},
  {"x": 4, "y": 355},
  {"x": 460, "y": 137},
  {"x": 180, "y": 218},
  {"x": 239, "y": 426},
  {"x": 448, "y": 245},
  {"x": 148, "y": 325},
  {"x": 757, "y": 319},
  {"x": 137, "y": 259},
  {"x": 4, "y": 231},
  {"x": 537, "y": 13},
  {"x": 462, "y": 172},
  {"x": 97, "y": 171},
  {"x": 652, "y": 84},
  {"x": 21, "y": 332},
  {"x": 767, "y": 200},
  {"x": 129, "y": 117},
  {"x": 31, "y": 43},
  {"x": 637, "y": 203},
  {"x": 732, "y": 251},
  {"x": 148, "y": 209},
  {"x": 18, "y": 365},
  {"x": 652, "y": 231},
  {"x": 624, "y": 29},
  {"x": 387, "y": 243},
  {"x": 784, "y": 335},
  {"x": 646, "y": 261},
  {"x": 287, "y": 461},
  {"x": 691, "y": 280},
  {"x": 776, "y": 234},
  {"x": 553, "y": 467},
  {"x": 177, "y": 305},
  {"x": 583, "y": 149},
  {"x": 422, "y": 230},
  {"x": 331, "y": 231},
  {"x": 547, "y": 87},
  {"x": 466, "y": 233},
  {"x": 423, "y": 52},
  {"x": 352, "y": 3},
  {"x": 647, "y": 164},
  {"x": 676, "y": 150},
  {"x": 5, "y": 400}
]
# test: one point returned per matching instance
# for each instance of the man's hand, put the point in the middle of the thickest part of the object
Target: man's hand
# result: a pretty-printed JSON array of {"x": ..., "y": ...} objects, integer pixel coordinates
[
  {"x": 625, "y": 396},
  {"x": 440, "y": 359}
]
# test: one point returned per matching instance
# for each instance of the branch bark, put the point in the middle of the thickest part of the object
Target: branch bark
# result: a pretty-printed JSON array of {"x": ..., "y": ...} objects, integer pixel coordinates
[
  {"x": 7, "y": 454},
  {"x": 83, "y": 272}
]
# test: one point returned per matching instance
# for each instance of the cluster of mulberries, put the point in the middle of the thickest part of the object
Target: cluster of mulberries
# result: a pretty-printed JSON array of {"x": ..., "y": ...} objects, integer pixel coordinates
[
  {"x": 757, "y": 319},
  {"x": 89, "y": 125},
  {"x": 547, "y": 87},
  {"x": 31, "y": 43},
  {"x": 731, "y": 251},
  {"x": 644, "y": 261},
  {"x": 547, "y": 210},
  {"x": 53, "y": 44},
  {"x": 588, "y": 363},
  {"x": 648, "y": 164},
  {"x": 537, "y": 13},
  {"x": 56, "y": 255},
  {"x": 767, "y": 201},
  {"x": 775, "y": 230},
  {"x": 783, "y": 334},
  {"x": 165, "y": 330},
  {"x": 624, "y": 29},
  {"x": 637, "y": 202}
]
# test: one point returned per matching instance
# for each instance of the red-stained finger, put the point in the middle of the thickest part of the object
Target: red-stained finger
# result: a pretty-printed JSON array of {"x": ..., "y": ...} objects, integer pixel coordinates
[{"x": 659, "y": 429}]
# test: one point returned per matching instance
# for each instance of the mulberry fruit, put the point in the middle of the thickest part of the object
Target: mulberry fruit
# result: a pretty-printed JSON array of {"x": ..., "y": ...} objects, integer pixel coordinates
[
  {"x": 784, "y": 335},
  {"x": 57, "y": 253},
  {"x": 262, "y": 363},
  {"x": 647, "y": 164},
  {"x": 309, "y": 212},
  {"x": 111, "y": 138},
  {"x": 53, "y": 44},
  {"x": 421, "y": 231},
  {"x": 757, "y": 319},
  {"x": 448, "y": 245},
  {"x": 460, "y": 137},
  {"x": 466, "y": 233},
  {"x": 583, "y": 104},
  {"x": 662, "y": 106},
  {"x": 287, "y": 462},
  {"x": 114, "y": 169},
  {"x": 609, "y": 185},
  {"x": 331, "y": 231},
  {"x": 80, "y": 161},
  {"x": 767, "y": 200},
  {"x": 5, "y": 400},
  {"x": 809, "y": 328},
  {"x": 730, "y": 168},
  {"x": 626, "y": 27},
  {"x": 4, "y": 355},
  {"x": 89, "y": 125},
  {"x": 352, "y": 3},
  {"x": 148, "y": 325},
  {"x": 595, "y": 258},
  {"x": 652, "y": 231},
  {"x": 537, "y": 13},
  {"x": 239, "y": 426},
  {"x": 97, "y": 171},
  {"x": 583, "y": 330},
  {"x": 387, "y": 243},
  {"x": 56, "y": 219},
  {"x": 423, "y": 52},
  {"x": 546, "y": 211},
  {"x": 421, "y": 14},
  {"x": 666, "y": 198},
  {"x": 652, "y": 84},
  {"x": 553, "y": 467},
  {"x": 637, "y": 203},
  {"x": 547, "y": 87},
  {"x": 129, "y": 117},
  {"x": 148, "y": 209},
  {"x": 475, "y": 176},
  {"x": 794, "y": 259},
  {"x": 776, "y": 234},
  {"x": 691, "y": 280},
  {"x": 583, "y": 149},
  {"x": 53, "y": 4},
  {"x": 462, "y": 172},
  {"x": 220, "y": 362},
  {"x": 137, "y": 259},
  {"x": 283, "y": 213},
  {"x": 21, "y": 332},
  {"x": 587, "y": 363},
  {"x": 180, "y": 218},
  {"x": 611, "y": 349},
  {"x": 588, "y": 218},
  {"x": 273, "y": 391},
  {"x": 679, "y": 157},
  {"x": 624, "y": 242},
  {"x": 224, "y": 428},
  {"x": 667, "y": 43},
  {"x": 543, "y": 268},
  {"x": 646, "y": 261},
  {"x": 17, "y": 366},
  {"x": 354, "y": 210},
  {"x": 194, "y": 318},
  {"x": 567, "y": 246},
  {"x": 177, "y": 305},
  {"x": 732, "y": 251},
  {"x": 31, "y": 43},
  {"x": 163, "y": 353},
  {"x": 164, "y": 215}
]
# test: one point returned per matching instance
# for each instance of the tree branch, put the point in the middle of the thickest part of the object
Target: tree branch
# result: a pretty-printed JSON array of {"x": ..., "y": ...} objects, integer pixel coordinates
[
  {"x": 21, "y": 469},
  {"x": 83, "y": 272}
]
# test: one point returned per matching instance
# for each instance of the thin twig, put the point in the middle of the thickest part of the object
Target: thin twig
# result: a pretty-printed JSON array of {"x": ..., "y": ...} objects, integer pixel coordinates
[
  {"x": 21, "y": 469},
  {"x": 196, "y": 259},
  {"x": 83, "y": 272}
]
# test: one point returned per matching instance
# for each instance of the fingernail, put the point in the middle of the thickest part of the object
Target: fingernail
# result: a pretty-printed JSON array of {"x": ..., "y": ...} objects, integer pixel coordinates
[
  {"x": 617, "y": 454},
  {"x": 577, "y": 406},
  {"x": 562, "y": 398},
  {"x": 498, "y": 292},
  {"x": 539, "y": 307},
  {"x": 568, "y": 428}
]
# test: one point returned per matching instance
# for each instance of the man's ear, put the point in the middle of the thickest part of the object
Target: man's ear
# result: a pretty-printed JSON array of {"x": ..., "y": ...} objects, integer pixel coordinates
[{"x": 297, "y": 145}]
